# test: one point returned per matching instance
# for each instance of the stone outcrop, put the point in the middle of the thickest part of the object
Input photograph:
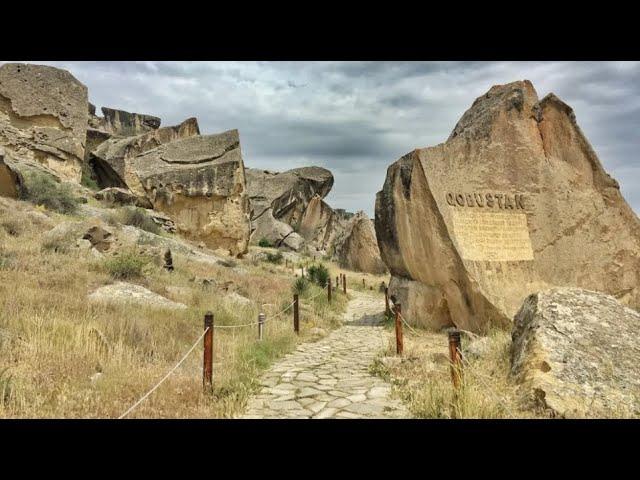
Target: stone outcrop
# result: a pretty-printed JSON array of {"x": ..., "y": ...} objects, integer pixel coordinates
[
  {"x": 574, "y": 353},
  {"x": 515, "y": 201},
  {"x": 43, "y": 117},
  {"x": 129, "y": 293},
  {"x": 126, "y": 124},
  {"x": 356, "y": 247},
  {"x": 199, "y": 182},
  {"x": 111, "y": 161},
  {"x": 282, "y": 198},
  {"x": 10, "y": 179},
  {"x": 322, "y": 225}
]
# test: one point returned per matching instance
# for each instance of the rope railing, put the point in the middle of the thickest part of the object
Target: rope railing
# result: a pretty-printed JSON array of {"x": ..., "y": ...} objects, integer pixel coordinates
[{"x": 208, "y": 345}]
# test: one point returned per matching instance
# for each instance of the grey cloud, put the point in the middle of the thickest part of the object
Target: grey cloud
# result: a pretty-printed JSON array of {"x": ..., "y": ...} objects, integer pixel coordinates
[{"x": 356, "y": 118}]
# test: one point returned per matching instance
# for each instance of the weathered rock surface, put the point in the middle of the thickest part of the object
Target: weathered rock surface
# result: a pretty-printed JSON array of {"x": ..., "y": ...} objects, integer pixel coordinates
[
  {"x": 10, "y": 179},
  {"x": 126, "y": 293},
  {"x": 279, "y": 200},
  {"x": 575, "y": 354},
  {"x": 112, "y": 160},
  {"x": 514, "y": 202},
  {"x": 128, "y": 124},
  {"x": 43, "y": 117},
  {"x": 120, "y": 196},
  {"x": 320, "y": 225},
  {"x": 199, "y": 182},
  {"x": 357, "y": 247}
]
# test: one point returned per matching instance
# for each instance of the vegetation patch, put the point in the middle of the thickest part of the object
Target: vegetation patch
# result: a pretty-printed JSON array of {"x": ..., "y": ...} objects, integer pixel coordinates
[
  {"x": 274, "y": 257},
  {"x": 127, "y": 265},
  {"x": 43, "y": 190},
  {"x": 135, "y": 217},
  {"x": 264, "y": 242},
  {"x": 318, "y": 274}
]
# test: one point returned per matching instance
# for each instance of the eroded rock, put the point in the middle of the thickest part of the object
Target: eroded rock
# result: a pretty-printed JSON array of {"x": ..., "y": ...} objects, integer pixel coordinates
[
  {"x": 43, "y": 117},
  {"x": 356, "y": 247},
  {"x": 515, "y": 201},
  {"x": 574, "y": 352}
]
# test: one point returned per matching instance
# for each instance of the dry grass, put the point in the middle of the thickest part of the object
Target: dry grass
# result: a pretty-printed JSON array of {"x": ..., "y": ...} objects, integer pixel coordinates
[
  {"x": 423, "y": 378},
  {"x": 62, "y": 357}
]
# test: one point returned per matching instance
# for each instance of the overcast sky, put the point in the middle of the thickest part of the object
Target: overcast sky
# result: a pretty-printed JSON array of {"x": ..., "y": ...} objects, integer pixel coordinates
[{"x": 355, "y": 118}]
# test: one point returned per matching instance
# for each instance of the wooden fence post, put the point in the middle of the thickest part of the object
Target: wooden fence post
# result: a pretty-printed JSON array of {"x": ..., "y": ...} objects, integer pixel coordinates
[
  {"x": 344, "y": 283},
  {"x": 363, "y": 284},
  {"x": 296, "y": 318},
  {"x": 399, "y": 339},
  {"x": 387, "y": 311},
  {"x": 207, "y": 370},
  {"x": 455, "y": 357},
  {"x": 261, "y": 319}
]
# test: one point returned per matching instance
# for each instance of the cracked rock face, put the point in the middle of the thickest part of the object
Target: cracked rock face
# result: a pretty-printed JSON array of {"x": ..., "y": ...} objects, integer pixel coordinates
[
  {"x": 356, "y": 247},
  {"x": 43, "y": 117},
  {"x": 574, "y": 354},
  {"x": 279, "y": 200},
  {"x": 515, "y": 201}
]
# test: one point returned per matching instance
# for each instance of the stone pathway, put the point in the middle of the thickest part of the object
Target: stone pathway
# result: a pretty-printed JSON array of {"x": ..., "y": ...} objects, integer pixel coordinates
[{"x": 330, "y": 378}]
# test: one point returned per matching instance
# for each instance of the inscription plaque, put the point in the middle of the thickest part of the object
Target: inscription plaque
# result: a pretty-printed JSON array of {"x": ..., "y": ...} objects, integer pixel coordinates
[{"x": 492, "y": 236}]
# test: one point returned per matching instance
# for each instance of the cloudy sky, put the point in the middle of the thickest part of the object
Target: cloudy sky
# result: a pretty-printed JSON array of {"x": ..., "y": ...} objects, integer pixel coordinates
[{"x": 355, "y": 118}]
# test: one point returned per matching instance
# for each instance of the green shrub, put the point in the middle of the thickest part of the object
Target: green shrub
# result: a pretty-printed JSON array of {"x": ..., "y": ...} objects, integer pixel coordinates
[
  {"x": 318, "y": 274},
  {"x": 42, "y": 189},
  {"x": 300, "y": 285},
  {"x": 126, "y": 265},
  {"x": 264, "y": 242},
  {"x": 137, "y": 217},
  {"x": 274, "y": 257},
  {"x": 7, "y": 260},
  {"x": 87, "y": 180}
]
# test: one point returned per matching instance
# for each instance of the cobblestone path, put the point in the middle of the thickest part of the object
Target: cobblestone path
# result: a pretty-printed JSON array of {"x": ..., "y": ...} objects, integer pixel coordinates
[{"x": 330, "y": 378}]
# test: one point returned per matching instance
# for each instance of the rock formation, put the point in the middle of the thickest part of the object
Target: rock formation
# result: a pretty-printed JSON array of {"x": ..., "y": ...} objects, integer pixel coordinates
[
  {"x": 357, "y": 248},
  {"x": 515, "y": 201},
  {"x": 199, "y": 182},
  {"x": 574, "y": 353},
  {"x": 10, "y": 179},
  {"x": 43, "y": 117},
  {"x": 278, "y": 201},
  {"x": 320, "y": 224}
]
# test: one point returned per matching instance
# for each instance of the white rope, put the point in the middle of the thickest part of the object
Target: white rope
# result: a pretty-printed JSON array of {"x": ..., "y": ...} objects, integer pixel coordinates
[{"x": 165, "y": 377}]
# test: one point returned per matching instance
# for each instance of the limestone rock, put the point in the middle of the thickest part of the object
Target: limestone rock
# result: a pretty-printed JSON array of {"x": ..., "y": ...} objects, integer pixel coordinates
[
  {"x": 10, "y": 178},
  {"x": 129, "y": 293},
  {"x": 287, "y": 194},
  {"x": 575, "y": 353},
  {"x": 199, "y": 182},
  {"x": 279, "y": 234},
  {"x": 320, "y": 225},
  {"x": 357, "y": 248},
  {"x": 43, "y": 117},
  {"x": 128, "y": 124},
  {"x": 121, "y": 196},
  {"x": 515, "y": 201},
  {"x": 112, "y": 159}
]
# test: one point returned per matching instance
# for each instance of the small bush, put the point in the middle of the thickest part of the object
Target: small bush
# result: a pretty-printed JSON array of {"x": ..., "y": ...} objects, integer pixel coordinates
[
  {"x": 319, "y": 275},
  {"x": 264, "y": 242},
  {"x": 7, "y": 260},
  {"x": 274, "y": 257},
  {"x": 57, "y": 245},
  {"x": 300, "y": 285},
  {"x": 126, "y": 265},
  {"x": 42, "y": 189},
  {"x": 136, "y": 217},
  {"x": 87, "y": 180}
]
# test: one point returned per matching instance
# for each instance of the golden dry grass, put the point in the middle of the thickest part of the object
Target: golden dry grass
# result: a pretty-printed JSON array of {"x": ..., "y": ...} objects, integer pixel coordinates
[
  {"x": 423, "y": 378},
  {"x": 62, "y": 357}
]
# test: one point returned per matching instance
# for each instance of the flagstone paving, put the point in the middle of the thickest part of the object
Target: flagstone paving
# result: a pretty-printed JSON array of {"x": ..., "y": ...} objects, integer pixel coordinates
[{"x": 330, "y": 378}]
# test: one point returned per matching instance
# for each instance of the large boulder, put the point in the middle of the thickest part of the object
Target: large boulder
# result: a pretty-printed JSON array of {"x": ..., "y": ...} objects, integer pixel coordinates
[
  {"x": 199, "y": 182},
  {"x": 357, "y": 249},
  {"x": 43, "y": 117},
  {"x": 288, "y": 193},
  {"x": 128, "y": 124},
  {"x": 575, "y": 354},
  {"x": 515, "y": 201},
  {"x": 320, "y": 225},
  {"x": 111, "y": 160}
]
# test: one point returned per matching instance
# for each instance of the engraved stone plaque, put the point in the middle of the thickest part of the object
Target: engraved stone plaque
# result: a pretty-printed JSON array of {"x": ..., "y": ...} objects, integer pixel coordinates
[{"x": 492, "y": 236}]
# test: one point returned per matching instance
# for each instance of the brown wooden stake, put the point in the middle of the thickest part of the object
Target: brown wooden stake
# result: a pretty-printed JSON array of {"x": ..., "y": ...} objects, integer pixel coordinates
[
  {"x": 399, "y": 339},
  {"x": 207, "y": 370},
  {"x": 337, "y": 284},
  {"x": 455, "y": 357},
  {"x": 363, "y": 284},
  {"x": 344, "y": 283},
  {"x": 329, "y": 290},
  {"x": 261, "y": 319},
  {"x": 387, "y": 310},
  {"x": 296, "y": 318},
  {"x": 302, "y": 271}
]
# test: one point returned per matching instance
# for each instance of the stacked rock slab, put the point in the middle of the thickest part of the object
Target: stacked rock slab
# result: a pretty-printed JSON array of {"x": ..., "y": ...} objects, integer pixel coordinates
[
  {"x": 199, "y": 182},
  {"x": 43, "y": 117},
  {"x": 357, "y": 248},
  {"x": 515, "y": 201},
  {"x": 279, "y": 200},
  {"x": 574, "y": 354},
  {"x": 320, "y": 224}
]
